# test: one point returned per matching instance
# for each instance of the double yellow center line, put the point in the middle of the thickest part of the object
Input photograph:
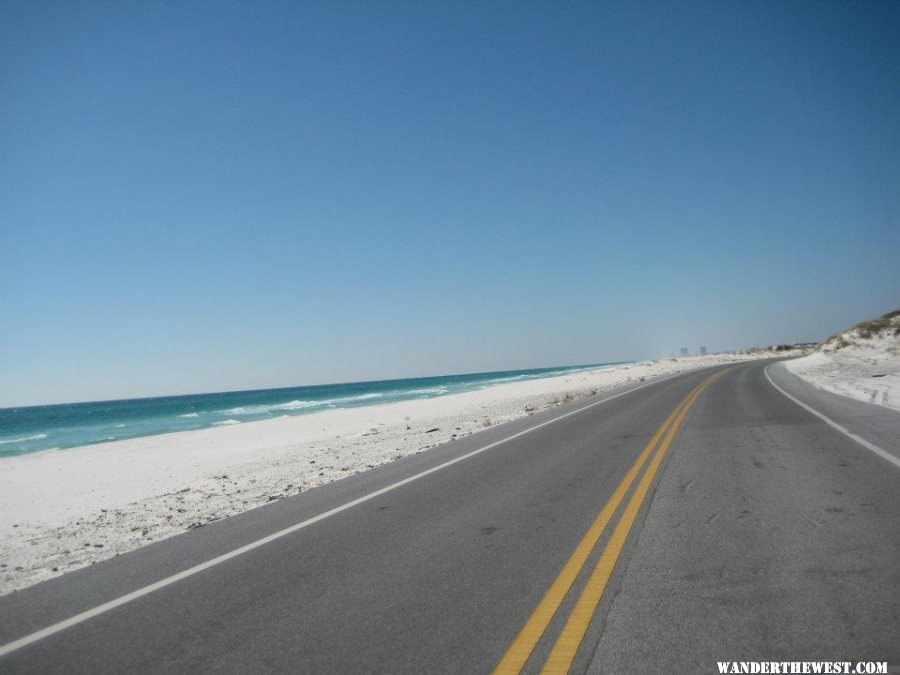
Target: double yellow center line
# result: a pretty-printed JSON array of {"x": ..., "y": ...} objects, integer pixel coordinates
[{"x": 568, "y": 642}]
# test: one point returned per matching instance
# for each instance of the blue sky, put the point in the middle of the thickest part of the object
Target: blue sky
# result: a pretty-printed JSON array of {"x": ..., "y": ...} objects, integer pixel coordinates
[{"x": 209, "y": 196}]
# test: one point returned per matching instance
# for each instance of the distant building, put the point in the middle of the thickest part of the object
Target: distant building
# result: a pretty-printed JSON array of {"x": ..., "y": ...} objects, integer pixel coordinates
[
  {"x": 684, "y": 351},
  {"x": 702, "y": 351}
]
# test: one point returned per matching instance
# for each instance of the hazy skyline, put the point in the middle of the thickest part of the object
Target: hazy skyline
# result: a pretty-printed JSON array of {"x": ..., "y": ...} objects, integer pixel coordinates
[{"x": 203, "y": 197}]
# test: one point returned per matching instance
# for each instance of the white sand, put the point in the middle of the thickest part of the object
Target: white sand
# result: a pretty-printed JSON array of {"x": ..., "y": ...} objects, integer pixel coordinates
[
  {"x": 61, "y": 510},
  {"x": 865, "y": 368}
]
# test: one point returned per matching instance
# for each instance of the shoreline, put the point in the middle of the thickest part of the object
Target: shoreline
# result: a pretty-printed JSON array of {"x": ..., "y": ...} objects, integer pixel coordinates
[
  {"x": 31, "y": 429},
  {"x": 65, "y": 509}
]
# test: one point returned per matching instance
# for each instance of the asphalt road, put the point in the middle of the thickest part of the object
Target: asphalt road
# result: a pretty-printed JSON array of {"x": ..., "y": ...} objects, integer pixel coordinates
[{"x": 763, "y": 533}]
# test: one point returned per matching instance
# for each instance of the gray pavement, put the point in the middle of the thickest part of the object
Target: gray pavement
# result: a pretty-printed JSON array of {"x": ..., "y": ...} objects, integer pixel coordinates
[
  {"x": 771, "y": 537},
  {"x": 770, "y": 534},
  {"x": 876, "y": 424}
]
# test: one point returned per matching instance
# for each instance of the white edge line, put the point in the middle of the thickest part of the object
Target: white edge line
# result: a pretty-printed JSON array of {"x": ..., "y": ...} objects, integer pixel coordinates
[
  {"x": 884, "y": 454},
  {"x": 168, "y": 581}
]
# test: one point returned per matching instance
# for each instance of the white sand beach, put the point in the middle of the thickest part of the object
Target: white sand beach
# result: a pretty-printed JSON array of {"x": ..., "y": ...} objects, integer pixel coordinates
[
  {"x": 862, "y": 363},
  {"x": 62, "y": 510}
]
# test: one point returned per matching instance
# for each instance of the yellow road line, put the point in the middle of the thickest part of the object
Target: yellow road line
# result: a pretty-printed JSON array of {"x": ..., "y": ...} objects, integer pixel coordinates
[
  {"x": 566, "y": 647},
  {"x": 522, "y": 647}
]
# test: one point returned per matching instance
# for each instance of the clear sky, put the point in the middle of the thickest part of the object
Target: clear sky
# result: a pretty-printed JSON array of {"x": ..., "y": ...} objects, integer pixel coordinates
[{"x": 218, "y": 195}]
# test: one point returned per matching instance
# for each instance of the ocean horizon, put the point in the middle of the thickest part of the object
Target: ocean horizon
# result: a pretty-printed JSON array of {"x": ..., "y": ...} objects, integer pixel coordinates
[{"x": 28, "y": 429}]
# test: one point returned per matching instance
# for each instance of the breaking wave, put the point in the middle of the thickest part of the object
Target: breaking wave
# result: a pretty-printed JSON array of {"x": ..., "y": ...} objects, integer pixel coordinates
[
  {"x": 298, "y": 405},
  {"x": 438, "y": 391},
  {"x": 36, "y": 437}
]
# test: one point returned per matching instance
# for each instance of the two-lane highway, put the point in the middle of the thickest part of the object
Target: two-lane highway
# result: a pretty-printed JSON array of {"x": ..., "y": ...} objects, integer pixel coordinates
[{"x": 701, "y": 518}]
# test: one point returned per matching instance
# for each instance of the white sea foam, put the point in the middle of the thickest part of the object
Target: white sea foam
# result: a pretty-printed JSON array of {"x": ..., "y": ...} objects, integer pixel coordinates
[
  {"x": 433, "y": 390},
  {"x": 293, "y": 405},
  {"x": 224, "y": 423},
  {"x": 298, "y": 405},
  {"x": 120, "y": 426},
  {"x": 499, "y": 380},
  {"x": 190, "y": 415},
  {"x": 36, "y": 437},
  {"x": 263, "y": 409}
]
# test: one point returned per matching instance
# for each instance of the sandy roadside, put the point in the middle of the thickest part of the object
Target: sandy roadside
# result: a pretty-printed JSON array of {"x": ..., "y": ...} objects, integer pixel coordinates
[
  {"x": 62, "y": 510},
  {"x": 865, "y": 369}
]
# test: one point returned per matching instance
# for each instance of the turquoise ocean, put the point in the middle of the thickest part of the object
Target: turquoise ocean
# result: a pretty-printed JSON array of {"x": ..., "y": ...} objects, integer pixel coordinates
[{"x": 56, "y": 427}]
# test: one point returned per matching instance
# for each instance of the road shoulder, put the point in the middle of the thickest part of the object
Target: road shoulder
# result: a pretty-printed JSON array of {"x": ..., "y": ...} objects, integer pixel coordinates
[{"x": 875, "y": 424}]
